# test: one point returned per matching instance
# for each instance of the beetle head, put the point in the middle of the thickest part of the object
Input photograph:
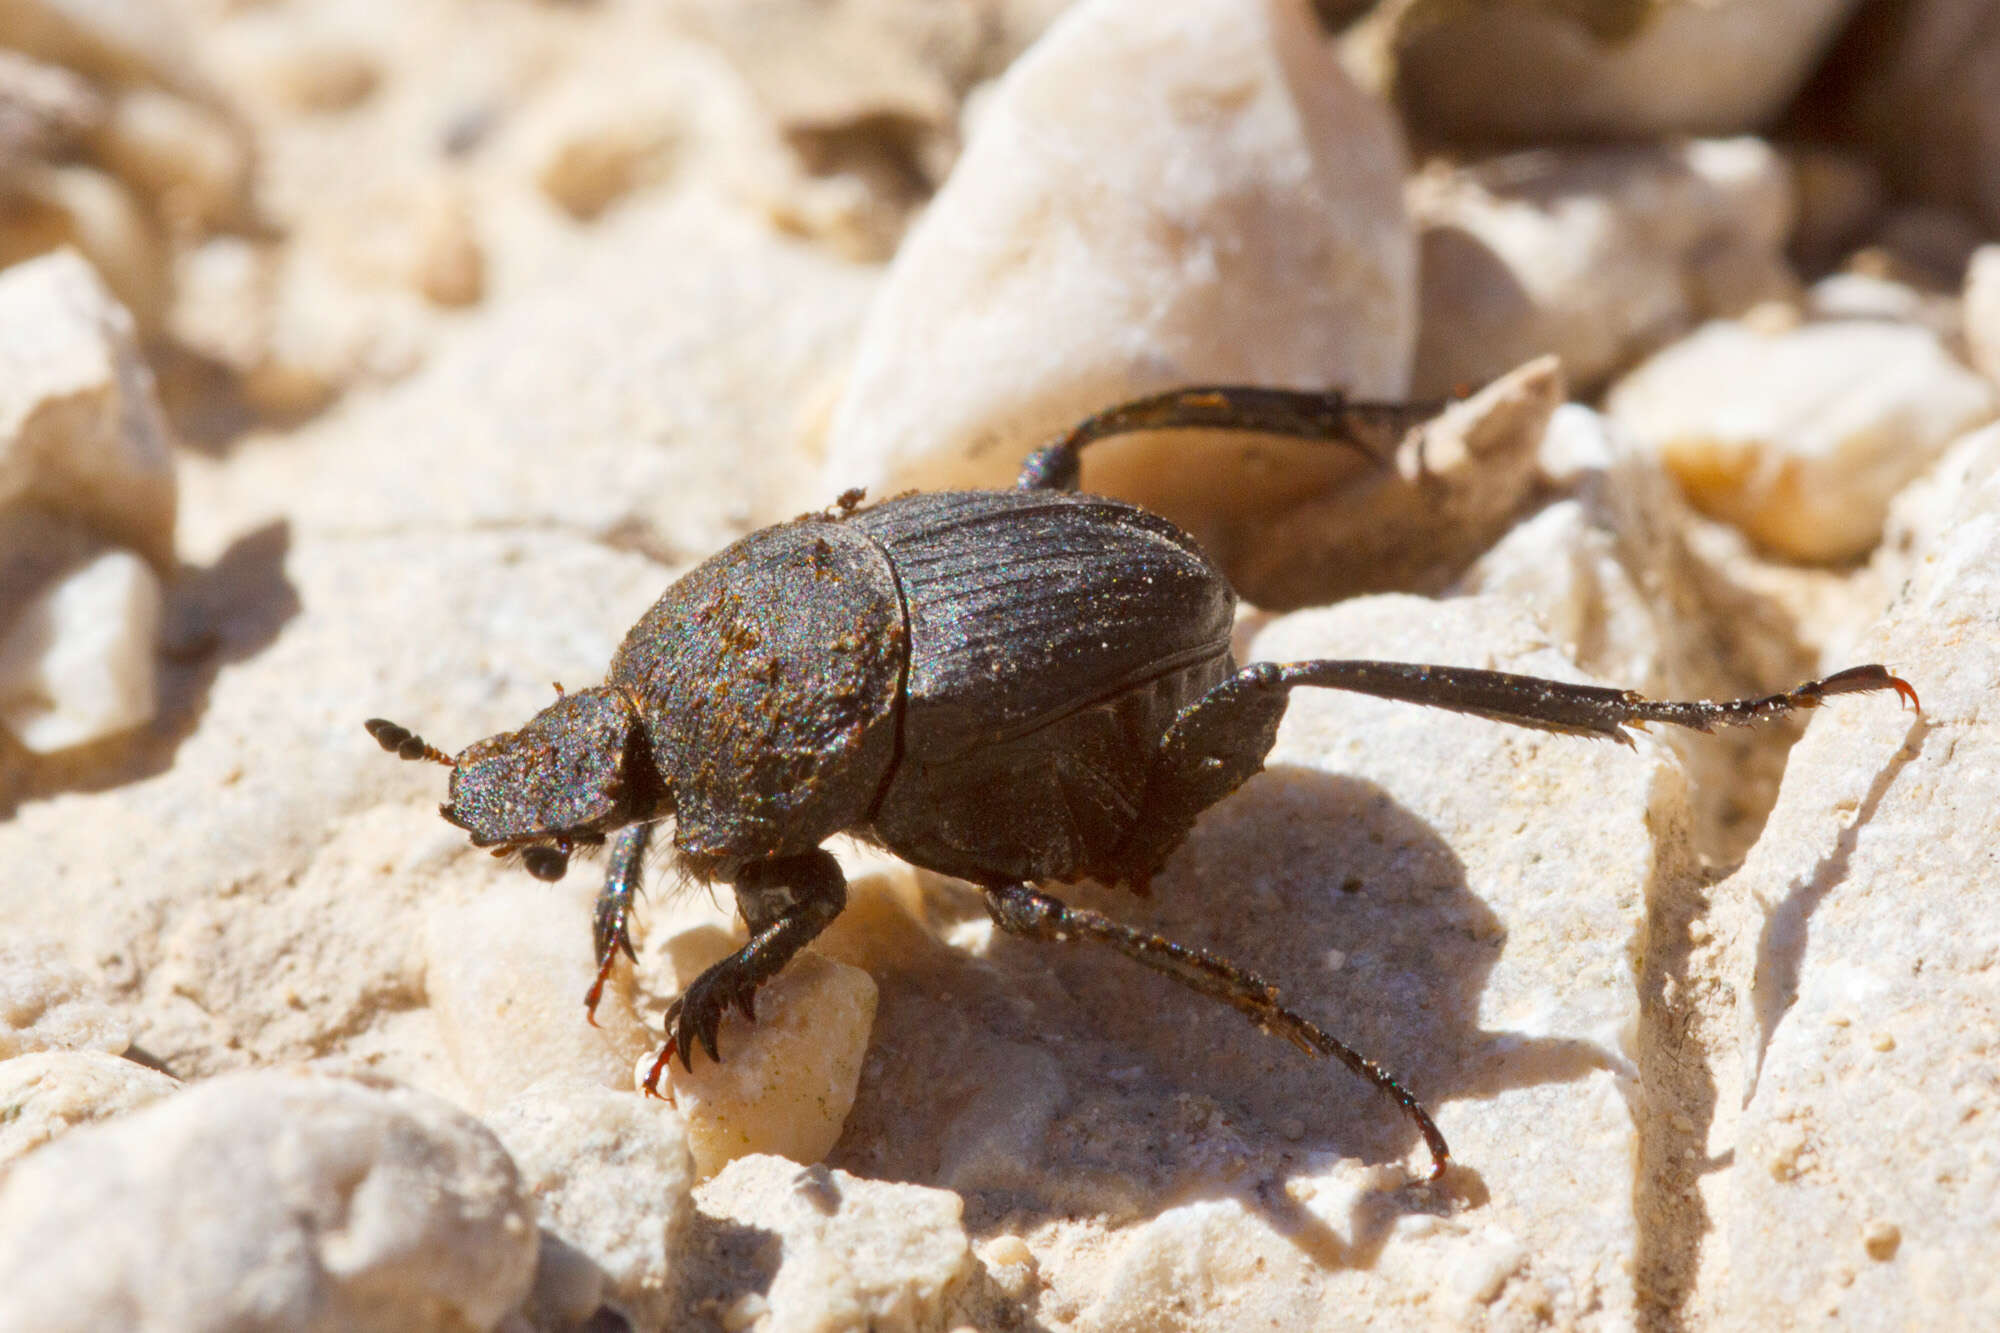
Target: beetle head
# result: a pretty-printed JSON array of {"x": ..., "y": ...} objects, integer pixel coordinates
[{"x": 577, "y": 771}]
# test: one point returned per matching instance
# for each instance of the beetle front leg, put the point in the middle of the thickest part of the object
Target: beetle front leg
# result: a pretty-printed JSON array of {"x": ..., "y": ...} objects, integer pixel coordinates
[
  {"x": 611, "y": 922},
  {"x": 1022, "y": 909},
  {"x": 785, "y": 902}
]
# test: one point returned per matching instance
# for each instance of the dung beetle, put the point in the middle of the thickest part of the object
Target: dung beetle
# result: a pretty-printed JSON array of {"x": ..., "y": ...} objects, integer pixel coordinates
[{"x": 1009, "y": 687}]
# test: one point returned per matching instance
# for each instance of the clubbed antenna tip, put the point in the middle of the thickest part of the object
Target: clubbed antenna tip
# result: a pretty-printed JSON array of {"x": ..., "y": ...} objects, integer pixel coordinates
[{"x": 404, "y": 743}]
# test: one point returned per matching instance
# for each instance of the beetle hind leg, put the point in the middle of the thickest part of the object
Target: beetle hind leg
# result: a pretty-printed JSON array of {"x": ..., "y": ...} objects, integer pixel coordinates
[
  {"x": 1219, "y": 741},
  {"x": 1372, "y": 429},
  {"x": 1022, "y": 909},
  {"x": 786, "y": 902},
  {"x": 1556, "y": 705}
]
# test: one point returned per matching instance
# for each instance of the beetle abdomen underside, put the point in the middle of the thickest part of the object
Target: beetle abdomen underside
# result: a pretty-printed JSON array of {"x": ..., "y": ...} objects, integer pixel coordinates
[{"x": 1053, "y": 639}]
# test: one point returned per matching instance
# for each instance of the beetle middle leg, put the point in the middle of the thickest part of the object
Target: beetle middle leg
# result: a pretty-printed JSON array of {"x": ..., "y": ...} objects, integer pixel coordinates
[
  {"x": 785, "y": 902},
  {"x": 1022, "y": 909}
]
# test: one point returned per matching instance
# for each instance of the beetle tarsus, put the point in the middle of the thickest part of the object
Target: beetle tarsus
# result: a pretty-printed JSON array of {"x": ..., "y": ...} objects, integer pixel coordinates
[
  {"x": 1022, "y": 909},
  {"x": 786, "y": 902},
  {"x": 596, "y": 991},
  {"x": 696, "y": 1014},
  {"x": 651, "y": 1087},
  {"x": 1874, "y": 676}
]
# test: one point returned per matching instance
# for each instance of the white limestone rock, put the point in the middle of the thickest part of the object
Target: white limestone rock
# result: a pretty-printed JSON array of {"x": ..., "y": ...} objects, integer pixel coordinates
[
  {"x": 590, "y": 141},
  {"x": 1212, "y": 1262},
  {"x": 1453, "y": 486},
  {"x": 122, "y": 42},
  {"x": 76, "y": 662},
  {"x": 1862, "y": 1190},
  {"x": 612, "y": 1183},
  {"x": 75, "y": 205},
  {"x": 1599, "y": 564},
  {"x": 678, "y": 356},
  {"x": 1627, "y": 70},
  {"x": 506, "y": 968},
  {"x": 1607, "y": 567},
  {"x": 45, "y": 111},
  {"x": 259, "y": 890},
  {"x": 48, "y": 1004},
  {"x": 1982, "y": 311},
  {"x": 1152, "y": 197},
  {"x": 313, "y": 62},
  {"x": 1490, "y": 887},
  {"x": 852, "y": 1255},
  {"x": 1801, "y": 439},
  {"x": 1598, "y": 255},
  {"x": 191, "y": 161},
  {"x": 281, "y": 1199},
  {"x": 819, "y": 66},
  {"x": 44, "y": 1094},
  {"x": 866, "y": 95},
  {"x": 80, "y": 432}
]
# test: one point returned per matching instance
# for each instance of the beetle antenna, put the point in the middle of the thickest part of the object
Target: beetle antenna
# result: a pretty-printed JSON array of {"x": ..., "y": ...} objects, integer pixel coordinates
[
  {"x": 1372, "y": 429},
  {"x": 404, "y": 743}
]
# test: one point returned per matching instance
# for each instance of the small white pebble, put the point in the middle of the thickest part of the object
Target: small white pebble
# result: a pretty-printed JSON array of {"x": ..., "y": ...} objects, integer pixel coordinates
[
  {"x": 449, "y": 267},
  {"x": 319, "y": 73},
  {"x": 189, "y": 159},
  {"x": 1801, "y": 439},
  {"x": 1982, "y": 311},
  {"x": 1007, "y": 1249},
  {"x": 76, "y": 665}
]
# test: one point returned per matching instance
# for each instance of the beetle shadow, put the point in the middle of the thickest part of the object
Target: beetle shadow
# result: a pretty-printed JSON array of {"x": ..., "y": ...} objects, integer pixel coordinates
[
  {"x": 729, "y": 1260},
  {"x": 1040, "y": 1081},
  {"x": 724, "y": 1260},
  {"x": 213, "y": 616}
]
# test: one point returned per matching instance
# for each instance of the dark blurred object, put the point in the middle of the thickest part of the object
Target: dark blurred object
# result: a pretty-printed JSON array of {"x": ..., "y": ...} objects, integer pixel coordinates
[
  {"x": 1335, "y": 15},
  {"x": 1915, "y": 85},
  {"x": 1492, "y": 72}
]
